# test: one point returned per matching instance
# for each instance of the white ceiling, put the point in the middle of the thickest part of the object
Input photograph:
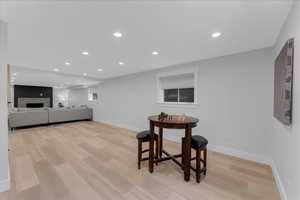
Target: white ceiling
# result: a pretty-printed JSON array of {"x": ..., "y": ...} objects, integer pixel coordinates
[
  {"x": 44, "y": 35},
  {"x": 25, "y": 76}
]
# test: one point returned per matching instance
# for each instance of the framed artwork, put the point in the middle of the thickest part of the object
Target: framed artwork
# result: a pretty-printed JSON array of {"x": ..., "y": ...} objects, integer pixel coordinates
[{"x": 283, "y": 84}]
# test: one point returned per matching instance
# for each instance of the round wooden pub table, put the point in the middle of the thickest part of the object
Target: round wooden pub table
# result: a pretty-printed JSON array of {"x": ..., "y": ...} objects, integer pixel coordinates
[{"x": 172, "y": 122}]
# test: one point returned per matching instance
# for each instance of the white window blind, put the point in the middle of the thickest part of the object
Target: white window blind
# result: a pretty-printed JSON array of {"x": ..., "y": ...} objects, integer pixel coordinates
[{"x": 177, "y": 81}]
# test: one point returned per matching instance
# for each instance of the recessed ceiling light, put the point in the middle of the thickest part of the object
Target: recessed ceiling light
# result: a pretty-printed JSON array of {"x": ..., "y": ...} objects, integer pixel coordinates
[
  {"x": 67, "y": 63},
  {"x": 216, "y": 34},
  {"x": 121, "y": 63},
  {"x": 56, "y": 70},
  {"x": 155, "y": 53},
  {"x": 118, "y": 34},
  {"x": 84, "y": 74},
  {"x": 14, "y": 74},
  {"x": 85, "y": 53},
  {"x": 99, "y": 70}
]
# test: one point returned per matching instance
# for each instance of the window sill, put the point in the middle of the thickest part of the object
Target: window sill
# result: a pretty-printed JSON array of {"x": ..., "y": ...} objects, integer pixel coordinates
[{"x": 178, "y": 105}]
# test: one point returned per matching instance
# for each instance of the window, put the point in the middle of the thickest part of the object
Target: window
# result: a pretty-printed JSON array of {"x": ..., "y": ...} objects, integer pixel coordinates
[
  {"x": 171, "y": 95},
  {"x": 186, "y": 95},
  {"x": 181, "y": 95},
  {"x": 177, "y": 88},
  {"x": 92, "y": 96}
]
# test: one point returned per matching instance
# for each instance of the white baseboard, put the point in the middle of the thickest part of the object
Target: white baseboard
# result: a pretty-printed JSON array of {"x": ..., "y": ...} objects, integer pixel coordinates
[
  {"x": 240, "y": 154},
  {"x": 119, "y": 125},
  {"x": 230, "y": 151},
  {"x": 278, "y": 181},
  {"x": 5, "y": 185}
]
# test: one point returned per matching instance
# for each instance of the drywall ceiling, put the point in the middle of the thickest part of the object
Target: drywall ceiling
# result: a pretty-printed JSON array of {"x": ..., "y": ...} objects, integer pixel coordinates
[
  {"x": 26, "y": 76},
  {"x": 44, "y": 35}
]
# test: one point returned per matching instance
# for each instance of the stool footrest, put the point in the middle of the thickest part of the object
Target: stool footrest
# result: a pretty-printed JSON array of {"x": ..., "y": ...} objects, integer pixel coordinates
[
  {"x": 146, "y": 150},
  {"x": 196, "y": 158},
  {"x": 201, "y": 171}
]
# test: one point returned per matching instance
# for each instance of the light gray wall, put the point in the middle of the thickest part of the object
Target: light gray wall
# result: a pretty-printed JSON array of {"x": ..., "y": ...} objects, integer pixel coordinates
[
  {"x": 3, "y": 30},
  {"x": 234, "y": 101},
  {"x": 4, "y": 171},
  {"x": 60, "y": 96},
  {"x": 284, "y": 142},
  {"x": 78, "y": 97}
]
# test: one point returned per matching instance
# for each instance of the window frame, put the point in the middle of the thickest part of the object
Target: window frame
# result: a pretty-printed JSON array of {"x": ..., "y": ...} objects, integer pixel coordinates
[
  {"x": 91, "y": 94},
  {"x": 160, "y": 90}
]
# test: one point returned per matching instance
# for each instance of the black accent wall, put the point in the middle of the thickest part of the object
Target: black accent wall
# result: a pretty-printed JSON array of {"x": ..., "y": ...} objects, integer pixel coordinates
[{"x": 32, "y": 92}]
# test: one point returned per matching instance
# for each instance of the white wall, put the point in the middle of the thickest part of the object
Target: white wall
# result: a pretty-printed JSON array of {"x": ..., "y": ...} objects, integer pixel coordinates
[
  {"x": 60, "y": 96},
  {"x": 234, "y": 102},
  {"x": 78, "y": 97},
  {"x": 3, "y": 30},
  {"x": 4, "y": 165},
  {"x": 284, "y": 142},
  {"x": 4, "y": 171}
]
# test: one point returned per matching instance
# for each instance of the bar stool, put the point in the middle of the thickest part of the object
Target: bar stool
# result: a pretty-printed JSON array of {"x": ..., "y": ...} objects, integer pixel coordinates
[
  {"x": 199, "y": 144},
  {"x": 143, "y": 137}
]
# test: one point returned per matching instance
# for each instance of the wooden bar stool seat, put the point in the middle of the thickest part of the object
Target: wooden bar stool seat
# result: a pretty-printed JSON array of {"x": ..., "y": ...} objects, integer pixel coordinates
[
  {"x": 142, "y": 137},
  {"x": 199, "y": 144}
]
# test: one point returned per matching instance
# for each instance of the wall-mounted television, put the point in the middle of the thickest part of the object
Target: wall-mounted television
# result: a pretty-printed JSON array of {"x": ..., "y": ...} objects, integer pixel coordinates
[{"x": 283, "y": 84}]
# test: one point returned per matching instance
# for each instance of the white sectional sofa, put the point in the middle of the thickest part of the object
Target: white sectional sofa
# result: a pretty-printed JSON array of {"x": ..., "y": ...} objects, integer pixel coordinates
[
  {"x": 73, "y": 114},
  {"x": 38, "y": 116},
  {"x": 28, "y": 117}
]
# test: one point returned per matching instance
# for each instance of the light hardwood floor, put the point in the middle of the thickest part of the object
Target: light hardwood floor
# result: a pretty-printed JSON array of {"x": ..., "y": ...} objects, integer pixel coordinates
[{"x": 89, "y": 160}]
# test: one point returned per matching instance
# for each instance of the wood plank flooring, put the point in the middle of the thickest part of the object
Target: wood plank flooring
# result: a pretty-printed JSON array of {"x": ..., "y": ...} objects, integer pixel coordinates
[{"x": 90, "y": 160}]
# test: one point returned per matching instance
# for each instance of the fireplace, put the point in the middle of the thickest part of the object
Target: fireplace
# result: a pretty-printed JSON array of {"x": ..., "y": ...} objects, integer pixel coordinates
[
  {"x": 34, "y": 102},
  {"x": 34, "y": 105}
]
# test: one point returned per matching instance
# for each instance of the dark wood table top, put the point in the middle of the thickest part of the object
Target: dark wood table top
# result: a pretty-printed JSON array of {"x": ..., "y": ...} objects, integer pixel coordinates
[{"x": 174, "y": 120}]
